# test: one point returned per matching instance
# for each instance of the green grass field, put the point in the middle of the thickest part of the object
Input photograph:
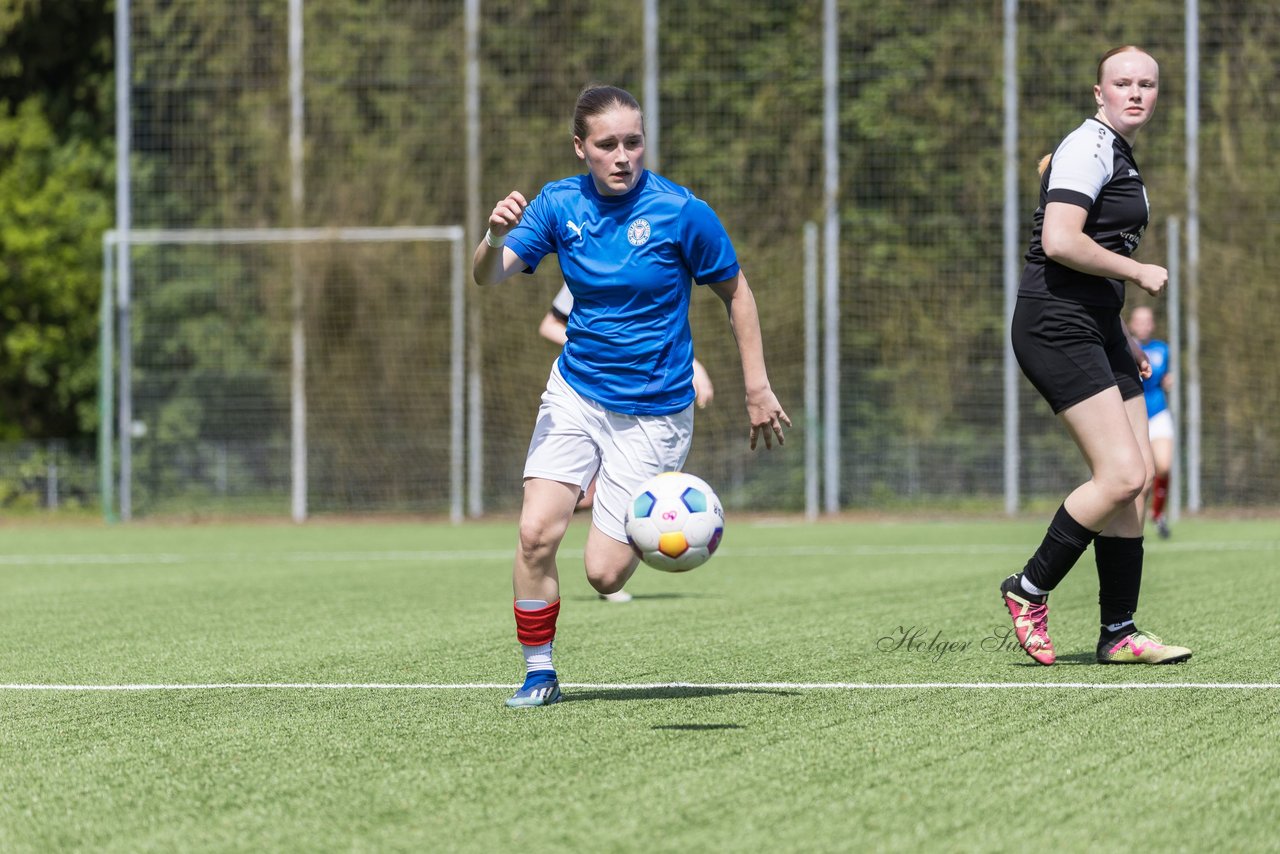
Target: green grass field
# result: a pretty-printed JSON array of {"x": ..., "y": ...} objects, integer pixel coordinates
[{"x": 752, "y": 753}]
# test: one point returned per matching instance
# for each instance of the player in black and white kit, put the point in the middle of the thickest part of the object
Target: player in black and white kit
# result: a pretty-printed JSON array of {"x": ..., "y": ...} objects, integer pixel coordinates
[{"x": 1072, "y": 345}]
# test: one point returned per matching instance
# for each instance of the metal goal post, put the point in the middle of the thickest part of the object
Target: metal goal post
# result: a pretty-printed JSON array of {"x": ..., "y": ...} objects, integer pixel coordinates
[{"x": 117, "y": 361}]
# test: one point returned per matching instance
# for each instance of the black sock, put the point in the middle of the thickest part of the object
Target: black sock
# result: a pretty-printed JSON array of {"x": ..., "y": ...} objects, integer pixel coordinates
[
  {"x": 1119, "y": 562},
  {"x": 1062, "y": 546}
]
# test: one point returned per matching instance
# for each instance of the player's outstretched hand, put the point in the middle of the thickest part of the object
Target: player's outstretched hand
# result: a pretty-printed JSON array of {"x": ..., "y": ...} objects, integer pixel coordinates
[
  {"x": 1152, "y": 278},
  {"x": 767, "y": 418},
  {"x": 507, "y": 213},
  {"x": 1139, "y": 356},
  {"x": 703, "y": 390}
]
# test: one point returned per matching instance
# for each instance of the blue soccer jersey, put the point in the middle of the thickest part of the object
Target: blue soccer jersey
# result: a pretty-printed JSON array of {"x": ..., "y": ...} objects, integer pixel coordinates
[
  {"x": 629, "y": 262},
  {"x": 1152, "y": 387}
]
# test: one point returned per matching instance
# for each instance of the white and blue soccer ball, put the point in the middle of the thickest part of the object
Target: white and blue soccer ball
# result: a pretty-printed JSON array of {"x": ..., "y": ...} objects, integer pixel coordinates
[{"x": 674, "y": 522}]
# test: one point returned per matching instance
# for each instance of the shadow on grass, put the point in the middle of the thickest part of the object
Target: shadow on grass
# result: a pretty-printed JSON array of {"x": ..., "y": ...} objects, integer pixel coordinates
[
  {"x": 653, "y": 596},
  {"x": 1079, "y": 658},
  {"x": 1070, "y": 659},
  {"x": 663, "y": 693},
  {"x": 675, "y": 596},
  {"x": 696, "y": 727}
]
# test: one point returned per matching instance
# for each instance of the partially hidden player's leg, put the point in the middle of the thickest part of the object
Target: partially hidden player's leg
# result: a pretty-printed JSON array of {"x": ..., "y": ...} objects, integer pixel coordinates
[
  {"x": 614, "y": 594},
  {"x": 609, "y": 563},
  {"x": 632, "y": 450},
  {"x": 1119, "y": 554},
  {"x": 1100, "y": 427},
  {"x": 544, "y": 518},
  {"x": 608, "y": 556},
  {"x": 588, "y": 496},
  {"x": 1162, "y": 451}
]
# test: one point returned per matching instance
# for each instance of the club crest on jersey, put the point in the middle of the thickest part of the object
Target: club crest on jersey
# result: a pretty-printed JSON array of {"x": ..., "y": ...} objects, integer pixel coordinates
[{"x": 638, "y": 232}]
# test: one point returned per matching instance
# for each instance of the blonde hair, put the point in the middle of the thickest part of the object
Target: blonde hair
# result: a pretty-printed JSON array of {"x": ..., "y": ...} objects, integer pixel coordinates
[
  {"x": 1043, "y": 164},
  {"x": 1124, "y": 48}
]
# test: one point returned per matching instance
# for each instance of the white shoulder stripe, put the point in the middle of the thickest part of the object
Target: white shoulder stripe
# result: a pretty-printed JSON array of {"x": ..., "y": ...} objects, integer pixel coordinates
[{"x": 1084, "y": 161}]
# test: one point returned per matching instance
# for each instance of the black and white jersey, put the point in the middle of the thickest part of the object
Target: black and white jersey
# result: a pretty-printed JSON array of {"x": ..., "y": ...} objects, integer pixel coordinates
[{"x": 1093, "y": 168}]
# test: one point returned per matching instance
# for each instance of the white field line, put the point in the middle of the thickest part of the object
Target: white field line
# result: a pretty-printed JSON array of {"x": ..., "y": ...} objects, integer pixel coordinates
[
  {"x": 505, "y": 554},
  {"x": 651, "y": 686}
]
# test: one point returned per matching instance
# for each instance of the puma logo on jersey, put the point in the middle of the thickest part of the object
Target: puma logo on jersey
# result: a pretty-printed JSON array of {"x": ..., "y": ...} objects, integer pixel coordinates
[{"x": 577, "y": 229}]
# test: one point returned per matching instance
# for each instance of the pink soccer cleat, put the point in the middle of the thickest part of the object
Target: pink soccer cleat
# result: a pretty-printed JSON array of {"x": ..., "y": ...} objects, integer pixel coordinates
[{"x": 1030, "y": 619}]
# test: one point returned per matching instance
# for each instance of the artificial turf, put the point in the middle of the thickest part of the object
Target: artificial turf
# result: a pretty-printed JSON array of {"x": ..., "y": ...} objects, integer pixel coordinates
[{"x": 749, "y": 751}]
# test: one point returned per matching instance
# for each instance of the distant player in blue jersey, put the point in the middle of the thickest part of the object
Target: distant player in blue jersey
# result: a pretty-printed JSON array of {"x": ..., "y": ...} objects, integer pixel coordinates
[
  {"x": 1142, "y": 325},
  {"x": 619, "y": 402},
  {"x": 554, "y": 328}
]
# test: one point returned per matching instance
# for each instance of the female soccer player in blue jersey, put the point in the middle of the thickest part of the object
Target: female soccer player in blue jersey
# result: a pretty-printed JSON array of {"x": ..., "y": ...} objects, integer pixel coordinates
[
  {"x": 553, "y": 327},
  {"x": 619, "y": 402},
  {"x": 1072, "y": 345},
  {"x": 1155, "y": 388}
]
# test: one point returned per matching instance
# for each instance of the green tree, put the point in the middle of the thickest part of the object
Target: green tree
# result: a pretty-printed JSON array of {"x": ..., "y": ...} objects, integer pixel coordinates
[{"x": 55, "y": 192}]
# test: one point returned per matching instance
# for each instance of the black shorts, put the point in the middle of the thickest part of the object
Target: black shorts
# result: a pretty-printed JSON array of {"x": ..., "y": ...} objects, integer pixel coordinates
[{"x": 1070, "y": 352}]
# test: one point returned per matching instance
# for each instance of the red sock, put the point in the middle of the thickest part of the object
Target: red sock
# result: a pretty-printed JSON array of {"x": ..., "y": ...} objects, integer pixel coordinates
[
  {"x": 1159, "y": 492},
  {"x": 534, "y": 627}
]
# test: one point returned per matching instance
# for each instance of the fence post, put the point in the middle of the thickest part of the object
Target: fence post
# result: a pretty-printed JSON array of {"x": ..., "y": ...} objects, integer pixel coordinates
[
  {"x": 51, "y": 476},
  {"x": 106, "y": 383}
]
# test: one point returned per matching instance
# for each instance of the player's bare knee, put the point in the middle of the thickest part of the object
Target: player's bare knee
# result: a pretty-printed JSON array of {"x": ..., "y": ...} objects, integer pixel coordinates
[
  {"x": 538, "y": 541},
  {"x": 607, "y": 577},
  {"x": 1136, "y": 483},
  {"x": 1125, "y": 483},
  {"x": 608, "y": 583}
]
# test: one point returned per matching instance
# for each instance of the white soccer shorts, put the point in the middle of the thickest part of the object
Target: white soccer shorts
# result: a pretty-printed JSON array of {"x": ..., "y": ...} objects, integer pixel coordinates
[
  {"x": 576, "y": 439},
  {"x": 1160, "y": 425}
]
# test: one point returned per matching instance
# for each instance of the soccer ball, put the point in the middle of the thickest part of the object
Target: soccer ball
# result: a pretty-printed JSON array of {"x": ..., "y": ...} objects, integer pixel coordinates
[{"x": 674, "y": 522}]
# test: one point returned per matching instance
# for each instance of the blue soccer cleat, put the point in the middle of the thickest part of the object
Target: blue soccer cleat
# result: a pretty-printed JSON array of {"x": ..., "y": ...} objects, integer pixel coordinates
[{"x": 540, "y": 688}]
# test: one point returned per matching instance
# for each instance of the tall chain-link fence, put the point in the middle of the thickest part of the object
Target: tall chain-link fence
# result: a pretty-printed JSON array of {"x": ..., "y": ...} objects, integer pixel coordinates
[{"x": 922, "y": 329}]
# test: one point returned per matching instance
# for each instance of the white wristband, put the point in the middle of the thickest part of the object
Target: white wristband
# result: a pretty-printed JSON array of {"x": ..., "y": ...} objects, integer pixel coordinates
[{"x": 496, "y": 244}]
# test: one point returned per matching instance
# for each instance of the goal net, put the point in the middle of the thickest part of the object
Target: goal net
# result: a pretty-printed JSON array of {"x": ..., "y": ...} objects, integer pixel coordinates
[{"x": 301, "y": 370}]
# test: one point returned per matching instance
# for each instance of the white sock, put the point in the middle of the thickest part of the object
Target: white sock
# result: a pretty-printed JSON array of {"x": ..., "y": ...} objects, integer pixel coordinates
[
  {"x": 537, "y": 657},
  {"x": 1031, "y": 588},
  {"x": 1115, "y": 627}
]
